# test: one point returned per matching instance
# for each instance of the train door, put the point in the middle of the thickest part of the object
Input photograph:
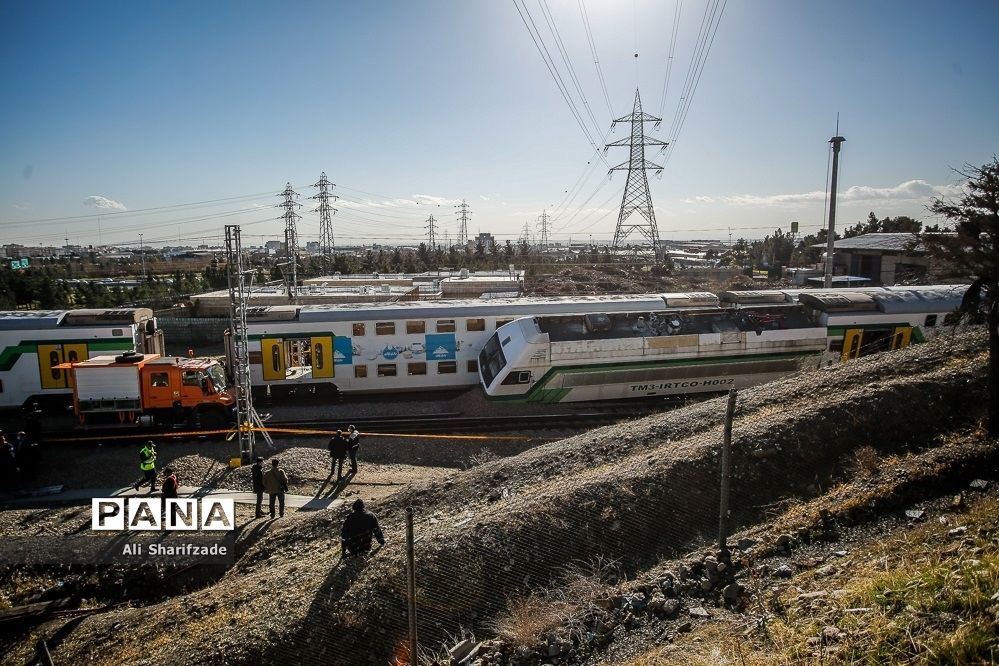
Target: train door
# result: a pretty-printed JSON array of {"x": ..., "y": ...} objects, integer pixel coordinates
[
  {"x": 901, "y": 337},
  {"x": 852, "y": 339},
  {"x": 322, "y": 357},
  {"x": 272, "y": 358},
  {"x": 49, "y": 356}
]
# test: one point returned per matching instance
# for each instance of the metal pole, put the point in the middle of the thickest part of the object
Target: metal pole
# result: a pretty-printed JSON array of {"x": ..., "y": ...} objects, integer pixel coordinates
[
  {"x": 827, "y": 282},
  {"x": 142, "y": 255},
  {"x": 411, "y": 585},
  {"x": 726, "y": 472}
]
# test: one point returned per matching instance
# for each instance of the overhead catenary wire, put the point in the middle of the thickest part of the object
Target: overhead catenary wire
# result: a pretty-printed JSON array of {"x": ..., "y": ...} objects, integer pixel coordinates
[
  {"x": 596, "y": 60},
  {"x": 670, "y": 53}
]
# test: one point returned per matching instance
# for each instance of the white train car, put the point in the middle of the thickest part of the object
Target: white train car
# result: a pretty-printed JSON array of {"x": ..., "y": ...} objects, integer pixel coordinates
[
  {"x": 402, "y": 346},
  {"x": 761, "y": 336},
  {"x": 34, "y": 342}
]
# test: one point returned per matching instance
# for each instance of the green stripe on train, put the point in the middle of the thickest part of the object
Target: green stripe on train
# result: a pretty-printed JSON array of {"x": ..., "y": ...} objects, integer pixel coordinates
[
  {"x": 538, "y": 392},
  {"x": 10, "y": 355}
]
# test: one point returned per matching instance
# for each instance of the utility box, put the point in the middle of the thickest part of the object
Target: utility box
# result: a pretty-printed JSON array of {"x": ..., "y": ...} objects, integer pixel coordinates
[{"x": 104, "y": 384}]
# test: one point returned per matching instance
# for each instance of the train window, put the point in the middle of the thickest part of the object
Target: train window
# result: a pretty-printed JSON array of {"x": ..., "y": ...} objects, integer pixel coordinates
[
  {"x": 358, "y": 330},
  {"x": 502, "y": 322},
  {"x": 445, "y": 325},
  {"x": 931, "y": 320},
  {"x": 360, "y": 371},
  {"x": 159, "y": 379},
  {"x": 1, "y": 386},
  {"x": 475, "y": 324},
  {"x": 506, "y": 341},
  {"x": 836, "y": 346},
  {"x": 387, "y": 370},
  {"x": 473, "y": 366},
  {"x": 191, "y": 378},
  {"x": 447, "y": 367},
  {"x": 418, "y": 368},
  {"x": 519, "y": 377},
  {"x": 117, "y": 332},
  {"x": 416, "y": 327},
  {"x": 385, "y": 328}
]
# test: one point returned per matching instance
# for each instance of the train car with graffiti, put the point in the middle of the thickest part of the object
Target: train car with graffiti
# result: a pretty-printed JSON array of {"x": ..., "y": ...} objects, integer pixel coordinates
[
  {"x": 404, "y": 346},
  {"x": 34, "y": 342},
  {"x": 605, "y": 356}
]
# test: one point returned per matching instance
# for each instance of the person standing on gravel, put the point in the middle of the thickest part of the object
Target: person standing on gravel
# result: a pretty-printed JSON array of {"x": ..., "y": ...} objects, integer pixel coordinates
[
  {"x": 358, "y": 529},
  {"x": 338, "y": 453},
  {"x": 354, "y": 441},
  {"x": 170, "y": 484},
  {"x": 258, "y": 483},
  {"x": 147, "y": 463},
  {"x": 276, "y": 485}
]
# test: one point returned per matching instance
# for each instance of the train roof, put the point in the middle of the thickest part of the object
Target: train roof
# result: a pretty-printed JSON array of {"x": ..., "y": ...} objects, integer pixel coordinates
[
  {"x": 478, "y": 307},
  {"x": 43, "y": 319},
  {"x": 890, "y": 300}
]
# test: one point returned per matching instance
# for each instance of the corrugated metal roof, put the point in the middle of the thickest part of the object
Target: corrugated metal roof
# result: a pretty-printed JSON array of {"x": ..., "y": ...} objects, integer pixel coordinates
[{"x": 897, "y": 242}]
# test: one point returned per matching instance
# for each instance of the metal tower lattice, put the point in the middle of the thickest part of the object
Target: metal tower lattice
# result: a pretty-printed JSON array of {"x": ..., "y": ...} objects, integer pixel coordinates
[
  {"x": 291, "y": 233},
  {"x": 544, "y": 227},
  {"x": 431, "y": 232},
  {"x": 463, "y": 214},
  {"x": 326, "y": 212},
  {"x": 247, "y": 420},
  {"x": 636, "y": 191}
]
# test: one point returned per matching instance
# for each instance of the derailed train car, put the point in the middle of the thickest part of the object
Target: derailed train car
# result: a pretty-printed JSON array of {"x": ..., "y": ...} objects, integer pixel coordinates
[{"x": 753, "y": 338}]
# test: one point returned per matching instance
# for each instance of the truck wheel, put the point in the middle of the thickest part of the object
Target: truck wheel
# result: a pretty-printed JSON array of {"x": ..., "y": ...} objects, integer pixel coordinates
[{"x": 212, "y": 419}]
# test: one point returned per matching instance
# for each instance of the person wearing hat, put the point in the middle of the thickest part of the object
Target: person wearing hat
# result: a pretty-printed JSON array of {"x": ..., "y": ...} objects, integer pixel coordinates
[
  {"x": 147, "y": 463},
  {"x": 358, "y": 529},
  {"x": 353, "y": 442},
  {"x": 258, "y": 483},
  {"x": 338, "y": 453},
  {"x": 276, "y": 485}
]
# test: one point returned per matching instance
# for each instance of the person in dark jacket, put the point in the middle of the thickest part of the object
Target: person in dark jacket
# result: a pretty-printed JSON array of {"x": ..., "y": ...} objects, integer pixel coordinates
[
  {"x": 358, "y": 529},
  {"x": 258, "y": 483},
  {"x": 276, "y": 485},
  {"x": 354, "y": 443},
  {"x": 170, "y": 484},
  {"x": 338, "y": 453}
]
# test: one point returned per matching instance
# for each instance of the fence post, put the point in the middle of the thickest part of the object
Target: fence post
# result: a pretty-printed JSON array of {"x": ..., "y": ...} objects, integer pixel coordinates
[
  {"x": 726, "y": 473},
  {"x": 411, "y": 586}
]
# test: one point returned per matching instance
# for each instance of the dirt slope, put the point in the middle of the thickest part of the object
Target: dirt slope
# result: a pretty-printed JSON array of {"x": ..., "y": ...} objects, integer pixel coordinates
[{"x": 634, "y": 493}]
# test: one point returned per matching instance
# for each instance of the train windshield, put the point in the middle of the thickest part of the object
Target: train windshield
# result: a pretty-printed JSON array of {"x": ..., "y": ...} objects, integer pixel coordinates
[
  {"x": 218, "y": 377},
  {"x": 491, "y": 360}
]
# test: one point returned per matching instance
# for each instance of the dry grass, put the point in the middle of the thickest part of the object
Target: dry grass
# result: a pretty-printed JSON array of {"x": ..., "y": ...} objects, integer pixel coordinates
[{"x": 864, "y": 462}]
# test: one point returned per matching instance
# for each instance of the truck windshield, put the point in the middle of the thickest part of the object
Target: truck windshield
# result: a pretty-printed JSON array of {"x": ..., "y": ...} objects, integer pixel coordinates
[
  {"x": 491, "y": 360},
  {"x": 218, "y": 377}
]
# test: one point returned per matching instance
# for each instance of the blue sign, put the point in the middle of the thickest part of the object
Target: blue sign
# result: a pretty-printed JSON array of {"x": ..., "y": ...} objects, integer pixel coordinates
[
  {"x": 390, "y": 353},
  {"x": 440, "y": 347},
  {"x": 343, "y": 353}
]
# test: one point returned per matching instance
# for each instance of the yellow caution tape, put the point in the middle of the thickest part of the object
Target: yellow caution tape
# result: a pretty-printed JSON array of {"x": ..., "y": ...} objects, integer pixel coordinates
[{"x": 231, "y": 433}]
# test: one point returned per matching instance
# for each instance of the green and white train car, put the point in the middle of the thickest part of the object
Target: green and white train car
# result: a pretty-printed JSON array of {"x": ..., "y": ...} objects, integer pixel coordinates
[
  {"x": 758, "y": 337},
  {"x": 34, "y": 342}
]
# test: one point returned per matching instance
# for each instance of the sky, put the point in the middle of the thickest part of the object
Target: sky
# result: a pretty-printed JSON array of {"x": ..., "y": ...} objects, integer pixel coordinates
[{"x": 175, "y": 119}]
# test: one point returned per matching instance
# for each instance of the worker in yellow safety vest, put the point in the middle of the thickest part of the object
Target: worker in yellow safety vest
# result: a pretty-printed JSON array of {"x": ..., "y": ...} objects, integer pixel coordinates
[{"x": 147, "y": 463}]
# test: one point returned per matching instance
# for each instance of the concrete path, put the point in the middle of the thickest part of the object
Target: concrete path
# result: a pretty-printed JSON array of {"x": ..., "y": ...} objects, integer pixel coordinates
[{"x": 84, "y": 495}]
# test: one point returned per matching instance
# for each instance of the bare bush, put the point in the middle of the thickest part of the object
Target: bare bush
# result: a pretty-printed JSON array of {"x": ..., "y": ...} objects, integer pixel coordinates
[{"x": 865, "y": 461}]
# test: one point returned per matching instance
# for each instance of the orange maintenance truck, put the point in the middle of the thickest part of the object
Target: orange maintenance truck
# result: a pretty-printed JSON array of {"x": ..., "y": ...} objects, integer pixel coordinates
[{"x": 149, "y": 389}]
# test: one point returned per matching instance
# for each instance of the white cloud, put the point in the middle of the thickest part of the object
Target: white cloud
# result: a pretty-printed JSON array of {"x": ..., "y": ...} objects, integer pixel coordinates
[
  {"x": 910, "y": 190},
  {"x": 98, "y": 201},
  {"x": 439, "y": 201},
  {"x": 21, "y": 206},
  {"x": 484, "y": 197},
  {"x": 700, "y": 199}
]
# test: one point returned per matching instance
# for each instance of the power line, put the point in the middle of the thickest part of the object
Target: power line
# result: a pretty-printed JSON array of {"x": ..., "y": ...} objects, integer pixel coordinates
[
  {"x": 669, "y": 58},
  {"x": 596, "y": 60}
]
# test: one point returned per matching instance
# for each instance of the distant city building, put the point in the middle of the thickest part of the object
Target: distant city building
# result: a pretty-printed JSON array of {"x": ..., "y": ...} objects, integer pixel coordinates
[{"x": 312, "y": 247}]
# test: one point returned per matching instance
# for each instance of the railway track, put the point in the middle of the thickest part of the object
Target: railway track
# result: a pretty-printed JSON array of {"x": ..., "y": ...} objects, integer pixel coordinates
[{"x": 448, "y": 423}]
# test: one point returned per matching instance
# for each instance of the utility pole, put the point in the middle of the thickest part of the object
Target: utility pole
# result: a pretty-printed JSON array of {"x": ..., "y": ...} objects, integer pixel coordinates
[
  {"x": 142, "y": 256},
  {"x": 544, "y": 226},
  {"x": 636, "y": 191},
  {"x": 238, "y": 356},
  {"x": 291, "y": 233},
  {"x": 326, "y": 212},
  {"x": 831, "y": 240},
  {"x": 463, "y": 214},
  {"x": 431, "y": 229}
]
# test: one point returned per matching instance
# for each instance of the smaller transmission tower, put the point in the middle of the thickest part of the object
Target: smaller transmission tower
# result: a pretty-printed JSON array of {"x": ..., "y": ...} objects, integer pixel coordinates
[
  {"x": 431, "y": 231},
  {"x": 525, "y": 234},
  {"x": 291, "y": 234},
  {"x": 326, "y": 212},
  {"x": 247, "y": 420},
  {"x": 464, "y": 213},
  {"x": 544, "y": 226}
]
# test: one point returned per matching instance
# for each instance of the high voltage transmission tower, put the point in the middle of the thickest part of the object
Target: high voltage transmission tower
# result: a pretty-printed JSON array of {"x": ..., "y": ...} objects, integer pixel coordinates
[
  {"x": 326, "y": 212},
  {"x": 431, "y": 231},
  {"x": 636, "y": 191},
  {"x": 525, "y": 234},
  {"x": 463, "y": 214},
  {"x": 291, "y": 234},
  {"x": 544, "y": 226}
]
